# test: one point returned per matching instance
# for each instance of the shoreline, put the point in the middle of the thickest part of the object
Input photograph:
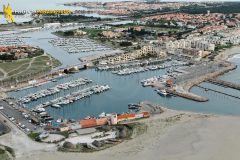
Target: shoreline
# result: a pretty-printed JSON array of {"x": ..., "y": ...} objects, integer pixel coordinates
[
  {"x": 228, "y": 53},
  {"x": 164, "y": 131}
]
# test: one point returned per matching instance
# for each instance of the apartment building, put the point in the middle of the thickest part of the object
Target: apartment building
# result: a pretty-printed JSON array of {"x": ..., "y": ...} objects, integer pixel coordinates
[
  {"x": 144, "y": 51},
  {"x": 197, "y": 44}
]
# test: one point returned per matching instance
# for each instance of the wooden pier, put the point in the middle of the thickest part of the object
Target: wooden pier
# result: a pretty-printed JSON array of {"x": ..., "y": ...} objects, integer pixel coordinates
[
  {"x": 226, "y": 94},
  {"x": 224, "y": 83}
]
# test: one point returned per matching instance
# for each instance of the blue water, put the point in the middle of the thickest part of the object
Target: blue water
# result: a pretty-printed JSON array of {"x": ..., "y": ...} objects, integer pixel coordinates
[
  {"x": 124, "y": 89},
  {"x": 127, "y": 89}
]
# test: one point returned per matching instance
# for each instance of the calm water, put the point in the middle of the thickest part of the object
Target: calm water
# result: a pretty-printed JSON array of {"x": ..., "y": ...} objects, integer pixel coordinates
[
  {"x": 124, "y": 89},
  {"x": 127, "y": 89}
]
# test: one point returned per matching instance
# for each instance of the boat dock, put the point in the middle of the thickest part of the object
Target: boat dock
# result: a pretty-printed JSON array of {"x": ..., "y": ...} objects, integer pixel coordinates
[
  {"x": 226, "y": 94},
  {"x": 78, "y": 45},
  {"x": 224, "y": 83},
  {"x": 72, "y": 97},
  {"x": 54, "y": 90}
]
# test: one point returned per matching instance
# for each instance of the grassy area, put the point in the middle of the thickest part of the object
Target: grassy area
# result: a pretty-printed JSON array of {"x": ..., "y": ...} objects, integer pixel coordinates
[
  {"x": 5, "y": 152},
  {"x": 18, "y": 69},
  {"x": 27, "y": 69},
  {"x": 9, "y": 66}
]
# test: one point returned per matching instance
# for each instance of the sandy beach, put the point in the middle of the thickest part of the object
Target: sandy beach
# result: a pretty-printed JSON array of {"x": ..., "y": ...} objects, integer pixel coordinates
[
  {"x": 172, "y": 135},
  {"x": 228, "y": 53}
]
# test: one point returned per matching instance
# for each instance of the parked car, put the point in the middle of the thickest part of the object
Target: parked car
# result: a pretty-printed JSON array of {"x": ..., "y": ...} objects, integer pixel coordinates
[{"x": 23, "y": 126}]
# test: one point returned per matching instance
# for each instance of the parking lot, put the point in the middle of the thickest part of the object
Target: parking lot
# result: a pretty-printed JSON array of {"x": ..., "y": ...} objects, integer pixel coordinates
[
  {"x": 196, "y": 71},
  {"x": 11, "y": 111}
]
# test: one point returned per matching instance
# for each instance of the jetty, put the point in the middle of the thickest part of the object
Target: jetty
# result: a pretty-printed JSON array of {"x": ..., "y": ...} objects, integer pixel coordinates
[
  {"x": 224, "y": 83},
  {"x": 187, "y": 95},
  {"x": 213, "y": 90}
]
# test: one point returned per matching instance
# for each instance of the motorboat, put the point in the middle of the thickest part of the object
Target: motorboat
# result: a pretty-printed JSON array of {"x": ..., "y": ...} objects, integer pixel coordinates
[{"x": 162, "y": 92}]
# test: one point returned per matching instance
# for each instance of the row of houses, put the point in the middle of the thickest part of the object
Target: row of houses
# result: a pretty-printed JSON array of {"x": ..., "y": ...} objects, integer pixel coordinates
[{"x": 19, "y": 52}]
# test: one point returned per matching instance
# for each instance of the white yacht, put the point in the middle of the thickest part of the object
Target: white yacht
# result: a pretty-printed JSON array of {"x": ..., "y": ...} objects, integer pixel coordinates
[{"x": 162, "y": 92}]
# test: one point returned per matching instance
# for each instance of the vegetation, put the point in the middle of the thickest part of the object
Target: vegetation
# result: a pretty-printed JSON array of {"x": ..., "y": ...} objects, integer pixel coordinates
[
  {"x": 93, "y": 33},
  {"x": 3, "y": 128},
  {"x": 11, "y": 55},
  {"x": 65, "y": 134},
  {"x": 138, "y": 33},
  {"x": 147, "y": 56},
  {"x": 65, "y": 33},
  {"x": 10, "y": 150},
  {"x": 27, "y": 69},
  {"x": 220, "y": 47},
  {"x": 125, "y": 44},
  {"x": 6, "y": 153},
  {"x": 226, "y": 7},
  {"x": 36, "y": 53},
  {"x": 34, "y": 136}
]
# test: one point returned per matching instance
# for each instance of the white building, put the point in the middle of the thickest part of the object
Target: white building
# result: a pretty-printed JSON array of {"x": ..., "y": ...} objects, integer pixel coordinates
[{"x": 144, "y": 51}]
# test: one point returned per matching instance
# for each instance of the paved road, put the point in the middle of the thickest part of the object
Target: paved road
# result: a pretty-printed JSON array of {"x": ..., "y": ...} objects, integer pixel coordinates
[{"x": 13, "y": 111}]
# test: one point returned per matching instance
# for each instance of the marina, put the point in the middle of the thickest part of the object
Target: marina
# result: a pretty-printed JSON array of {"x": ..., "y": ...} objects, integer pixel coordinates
[
  {"x": 138, "y": 67},
  {"x": 152, "y": 64},
  {"x": 129, "y": 90},
  {"x": 128, "y": 71},
  {"x": 84, "y": 77},
  {"x": 70, "y": 98},
  {"x": 103, "y": 102},
  {"x": 11, "y": 41},
  {"x": 54, "y": 90},
  {"x": 77, "y": 45}
]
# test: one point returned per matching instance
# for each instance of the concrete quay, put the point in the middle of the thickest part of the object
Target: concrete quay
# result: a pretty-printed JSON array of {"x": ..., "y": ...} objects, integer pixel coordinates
[{"x": 188, "y": 80}]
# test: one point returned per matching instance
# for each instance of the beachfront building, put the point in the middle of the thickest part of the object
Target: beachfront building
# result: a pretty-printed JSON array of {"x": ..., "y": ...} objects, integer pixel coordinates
[
  {"x": 115, "y": 119},
  {"x": 187, "y": 44},
  {"x": 145, "y": 51}
]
